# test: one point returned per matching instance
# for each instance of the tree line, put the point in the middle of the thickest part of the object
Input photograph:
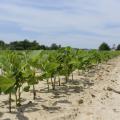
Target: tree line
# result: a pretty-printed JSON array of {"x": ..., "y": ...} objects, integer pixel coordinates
[
  {"x": 34, "y": 45},
  {"x": 27, "y": 45}
]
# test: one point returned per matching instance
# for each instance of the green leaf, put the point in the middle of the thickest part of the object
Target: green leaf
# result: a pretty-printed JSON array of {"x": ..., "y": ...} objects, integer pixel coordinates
[{"x": 6, "y": 83}]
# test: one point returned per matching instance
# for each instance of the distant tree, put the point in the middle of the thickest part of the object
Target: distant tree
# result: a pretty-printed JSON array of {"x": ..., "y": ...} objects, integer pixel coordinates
[
  {"x": 16, "y": 45},
  {"x": 54, "y": 46},
  {"x": 27, "y": 45},
  {"x": 43, "y": 47},
  {"x": 34, "y": 45},
  {"x": 2, "y": 45},
  {"x": 118, "y": 47},
  {"x": 104, "y": 46},
  {"x": 24, "y": 45}
]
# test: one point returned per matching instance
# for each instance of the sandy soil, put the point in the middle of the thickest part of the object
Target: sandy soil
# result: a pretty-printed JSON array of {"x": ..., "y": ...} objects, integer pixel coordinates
[{"x": 94, "y": 96}]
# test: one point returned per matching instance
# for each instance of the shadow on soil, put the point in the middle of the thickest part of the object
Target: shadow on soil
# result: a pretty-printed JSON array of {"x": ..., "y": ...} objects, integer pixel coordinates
[{"x": 73, "y": 86}]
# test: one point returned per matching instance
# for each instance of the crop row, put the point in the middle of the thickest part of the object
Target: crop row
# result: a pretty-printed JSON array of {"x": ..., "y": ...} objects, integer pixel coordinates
[{"x": 30, "y": 67}]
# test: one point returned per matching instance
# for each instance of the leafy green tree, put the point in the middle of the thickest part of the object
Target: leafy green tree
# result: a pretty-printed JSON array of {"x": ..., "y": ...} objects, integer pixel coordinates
[
  {"x": 118, "y": 47},
  {"x": 55, "y": 46},
  {"x": 43, "y": 47},
  {"x": 24, "y": 45},
  {"x": 3, "y": 45},
  {"x": 104, "y": 46}
]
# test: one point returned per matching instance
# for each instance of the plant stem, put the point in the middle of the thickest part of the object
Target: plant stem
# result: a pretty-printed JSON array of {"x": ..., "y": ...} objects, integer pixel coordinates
[
  {"x": 54, "y": 83},
  {"x": 34, "y": 92},
  {"x": 10, "y": 102},
  {"x": 19, "y": 95},
  {"x": 16, "y": 98},
  {"x": 72, "y": 76},
  {"x": 59, "y": 80},
  {"x": 78, "y": 72},
  {"x": 48, "y": 84},
  {"x": 66, "y": 78}
]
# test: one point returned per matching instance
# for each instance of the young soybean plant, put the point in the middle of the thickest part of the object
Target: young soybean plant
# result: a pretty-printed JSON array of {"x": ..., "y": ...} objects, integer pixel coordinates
[
  {"x": 49, "y": 67},
  {"x": 32, "y": 58},
  {"x": 67, "y": 62},
  {"x": 11, "y": 80}
]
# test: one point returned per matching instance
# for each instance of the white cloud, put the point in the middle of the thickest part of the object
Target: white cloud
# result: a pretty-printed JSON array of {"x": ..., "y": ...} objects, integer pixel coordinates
[{"x": 65, "y": 21}]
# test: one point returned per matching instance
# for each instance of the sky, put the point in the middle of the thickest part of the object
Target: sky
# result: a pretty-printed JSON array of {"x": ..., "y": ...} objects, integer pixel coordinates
[{"x": 76, "y": 23}]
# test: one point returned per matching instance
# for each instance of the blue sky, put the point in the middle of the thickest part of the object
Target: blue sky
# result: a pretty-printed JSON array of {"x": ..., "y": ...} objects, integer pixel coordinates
[{"x": 78, "y": 23}]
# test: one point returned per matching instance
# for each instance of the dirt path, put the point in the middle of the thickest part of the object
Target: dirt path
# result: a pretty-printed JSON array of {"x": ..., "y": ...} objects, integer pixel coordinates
[{"x": 105, "y": 105}]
